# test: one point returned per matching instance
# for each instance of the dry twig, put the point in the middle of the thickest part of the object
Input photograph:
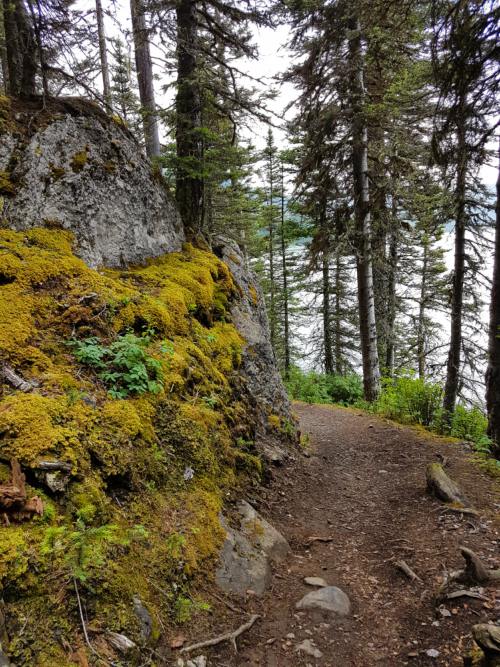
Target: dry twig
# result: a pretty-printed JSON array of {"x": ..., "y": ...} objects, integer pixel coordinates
[{"x": 228, "y": 636}]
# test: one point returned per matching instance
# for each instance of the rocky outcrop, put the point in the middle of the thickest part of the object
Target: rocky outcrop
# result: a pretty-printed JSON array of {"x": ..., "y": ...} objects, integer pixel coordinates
[
  {"x": 274, "y": 423},
  {"x": 78, "y": 169}
]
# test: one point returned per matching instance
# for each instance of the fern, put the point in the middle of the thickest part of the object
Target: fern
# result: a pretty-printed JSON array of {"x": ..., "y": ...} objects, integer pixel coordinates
[{"x": 125, "y": 366}]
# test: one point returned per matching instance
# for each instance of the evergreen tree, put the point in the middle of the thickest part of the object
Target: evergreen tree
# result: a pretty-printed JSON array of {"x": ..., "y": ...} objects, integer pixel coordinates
[{"x": 464, "y": 47}]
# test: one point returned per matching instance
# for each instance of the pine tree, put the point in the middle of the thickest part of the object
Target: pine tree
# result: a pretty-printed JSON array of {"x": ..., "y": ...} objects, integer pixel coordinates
[
  {"x": 493, "y": 370},
  {"x": 144, "y": 68},
  {"x": 123, "y": 87},
  {"x": 463, "y": 51}
]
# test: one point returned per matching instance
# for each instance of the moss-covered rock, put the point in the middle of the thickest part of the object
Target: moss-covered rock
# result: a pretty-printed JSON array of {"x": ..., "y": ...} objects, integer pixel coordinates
[{"x": 140, "y": 514}]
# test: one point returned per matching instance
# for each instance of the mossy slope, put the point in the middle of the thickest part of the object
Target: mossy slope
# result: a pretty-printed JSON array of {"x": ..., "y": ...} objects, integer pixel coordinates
[{"x": 130, "y": 522}]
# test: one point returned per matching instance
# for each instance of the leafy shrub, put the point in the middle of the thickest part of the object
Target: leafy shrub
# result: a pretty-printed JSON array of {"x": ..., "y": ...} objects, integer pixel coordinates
[
  {"x": 409, "y": 400},
  {"x": 313, "y": 387},
  {"x": 470, "y": 424},
  {"x": 344, "y": 389},
  {"x": 125, "y": 366}
]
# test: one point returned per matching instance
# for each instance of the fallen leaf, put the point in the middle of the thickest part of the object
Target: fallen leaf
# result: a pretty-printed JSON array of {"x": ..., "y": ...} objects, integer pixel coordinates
[{"x": 178, "y": 641}]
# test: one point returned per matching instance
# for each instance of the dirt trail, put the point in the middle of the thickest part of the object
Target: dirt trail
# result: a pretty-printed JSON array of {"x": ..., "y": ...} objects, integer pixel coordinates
[{"x": 364, "y": 486}]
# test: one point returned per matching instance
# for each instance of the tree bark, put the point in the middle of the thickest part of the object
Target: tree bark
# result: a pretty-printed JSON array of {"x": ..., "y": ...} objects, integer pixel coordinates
[
  {"x": 457, "y": 296},
  {"x": 327, "y": 333},
  {"x": 20, "y": 48},
  {"x": 339, "y": 365},
  {"x": 144, "y": 68},
  {"x": 421, "y": 314},
  {"x": 286, "y": 317},
  {"x": 493, "y": 370},
  {"x": 270, "y": 250},
  {"x": 189, "y": 180},
  {"x": 390, "y": 346},
  {"x": 103, "y": 54},
  {"x": 3, "y": 53},
  {"x": 364, "y": 266}
]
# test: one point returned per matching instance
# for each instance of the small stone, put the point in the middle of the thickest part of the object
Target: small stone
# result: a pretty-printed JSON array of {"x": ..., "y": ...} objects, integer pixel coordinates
[
  {"x": 144, "y": 617},
  {"x": 330, "y": 599},
  {"x": 383, "y": 472},
  {"x": 121, "y": 642},
  {"x": 445, "y": 613},
  {"x": 199, "y": 661},
  {"x": 308, "y": 647},
  {"x": 432, "y": 653},
  {"x": 315, "y": 581},
  {"x": 290, "y": 635}
]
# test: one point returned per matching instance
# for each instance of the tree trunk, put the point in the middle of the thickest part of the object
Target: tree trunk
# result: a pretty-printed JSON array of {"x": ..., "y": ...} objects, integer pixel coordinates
[
  {"x": 272, "y": 286},
  {"x": 144, "y": 68},
  {"x": 286, "y": 321},
  {"x": 368, "y": 329},
  {"x": 189, "y": 181},
  {"x": 339, "y": 365},
  {"x": 3, "y": 53},
  {"x": 493, "y": 371},
  {"x": 20, "y": 47},
  {"x": 457, "y": 296},
  {"x": 327, "y": 333},
  {"x": 391, "y": 297},
  {"x": 103, "y": 54},
  {"x": 421, "y": 315}
]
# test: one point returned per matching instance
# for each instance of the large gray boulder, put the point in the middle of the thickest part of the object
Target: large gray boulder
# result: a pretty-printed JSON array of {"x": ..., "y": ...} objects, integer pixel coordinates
[
  {"x": 248, "y": 551},
  {"x": 242, "y": 565},
  {"x": 73, "y": 167},
  {"x": 275, "y": 426},
  {"x": 262, "y": 534}
]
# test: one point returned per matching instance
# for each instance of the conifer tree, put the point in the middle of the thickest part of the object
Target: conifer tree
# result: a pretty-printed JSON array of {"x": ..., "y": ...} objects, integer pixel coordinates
[{"x": 464, "y": 45}]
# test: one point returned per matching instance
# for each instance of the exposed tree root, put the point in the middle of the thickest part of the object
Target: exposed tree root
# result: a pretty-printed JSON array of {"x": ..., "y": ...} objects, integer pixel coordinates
[
  {"x": 406, "y": 569},
  {"x": 442, "y": 486},
  {"x": 228, "y": 636},
  {"x": 475, "y": 570},
  {"x": 487, "y": 637}
]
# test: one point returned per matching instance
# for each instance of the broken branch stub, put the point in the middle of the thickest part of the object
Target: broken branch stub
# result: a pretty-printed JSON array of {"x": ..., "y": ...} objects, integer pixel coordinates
[{"x": 13, "y": 497}]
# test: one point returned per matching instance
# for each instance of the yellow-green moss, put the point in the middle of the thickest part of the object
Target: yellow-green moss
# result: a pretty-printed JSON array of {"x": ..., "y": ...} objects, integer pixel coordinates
[
  {"x": 7, "y": 187},
  {"x": 128, "y": 456},
  {"x": 79, "y": 160},
  {"x": 56, "y": 172}
]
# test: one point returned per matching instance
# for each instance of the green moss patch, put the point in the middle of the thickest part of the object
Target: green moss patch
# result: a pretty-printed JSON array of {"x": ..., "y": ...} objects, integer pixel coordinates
[{"x": 149, "y": 468}]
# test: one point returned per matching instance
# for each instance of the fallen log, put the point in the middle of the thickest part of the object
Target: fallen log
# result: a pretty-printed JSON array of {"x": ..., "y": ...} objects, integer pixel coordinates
[{"x": 443, "y": 487}]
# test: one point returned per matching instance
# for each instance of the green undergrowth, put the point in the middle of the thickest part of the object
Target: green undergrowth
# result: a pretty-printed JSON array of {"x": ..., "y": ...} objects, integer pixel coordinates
[
  {"x": 405, "y": 399},
  {"x": 136, "y": 374}
]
